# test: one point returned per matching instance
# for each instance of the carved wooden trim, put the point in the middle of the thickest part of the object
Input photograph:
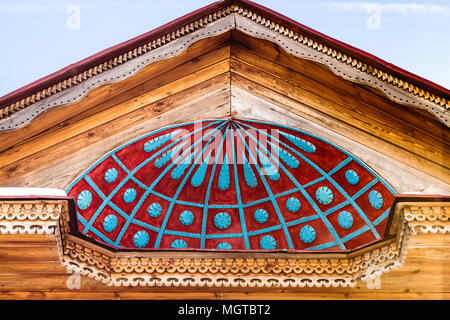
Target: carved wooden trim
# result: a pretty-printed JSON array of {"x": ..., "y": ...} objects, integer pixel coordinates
[
  {"x": 221, "y": 269},
  {"x": 116, "y": 69},
  {"x": 422, "y": 219},
  {"x": 312, "y": 270},
  {"x": 396, "y": 89},
  {"x": 30, "y": 217},
  {"x": 116, "y": 61},
  {"x": 342, "y": 65}
]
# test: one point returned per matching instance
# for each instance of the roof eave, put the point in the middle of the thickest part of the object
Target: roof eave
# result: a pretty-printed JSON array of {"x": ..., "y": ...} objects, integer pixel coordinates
[{"x": 107, "y": 54}]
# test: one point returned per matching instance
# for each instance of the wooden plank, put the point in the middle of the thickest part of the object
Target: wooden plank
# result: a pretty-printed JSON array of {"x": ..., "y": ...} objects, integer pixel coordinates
[
  {"x": 28, "y": 239},
  {"x": 426, "y": 272},
  {"x": 23, "y": 266},
  {"x": 418, "y": 139},
  {"x": 112, "y": 91},
  {"x": 83, "y": 295},
  {"x": 77, "y": 295},
  {"x": 22, "y": 151},
  {"x": 249, "y": 81},
  {"x": 58, "y": 165},
  {"x": 429, "y": 241},
  {"x": 113, "y": 295},
  {"x": 18, "y": 253},
  {"x": 347, "y": 115},
  {"x": 272, "y": 52}
]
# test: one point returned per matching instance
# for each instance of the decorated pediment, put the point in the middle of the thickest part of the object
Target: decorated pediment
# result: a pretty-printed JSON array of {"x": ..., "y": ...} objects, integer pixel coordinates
[{"x": 232, "y": 148}]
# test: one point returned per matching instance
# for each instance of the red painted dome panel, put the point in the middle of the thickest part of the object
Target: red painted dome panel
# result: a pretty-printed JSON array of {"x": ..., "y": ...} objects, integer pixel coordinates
[{"x": 231, "y": 185}]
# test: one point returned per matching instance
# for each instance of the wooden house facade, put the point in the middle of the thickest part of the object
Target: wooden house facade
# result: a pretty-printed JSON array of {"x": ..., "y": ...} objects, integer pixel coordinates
[{"x": 232, "y": 153}]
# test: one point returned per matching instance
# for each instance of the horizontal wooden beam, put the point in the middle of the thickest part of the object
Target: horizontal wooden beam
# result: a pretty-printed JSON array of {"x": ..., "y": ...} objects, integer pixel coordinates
[{"x": 41, "y": 143}]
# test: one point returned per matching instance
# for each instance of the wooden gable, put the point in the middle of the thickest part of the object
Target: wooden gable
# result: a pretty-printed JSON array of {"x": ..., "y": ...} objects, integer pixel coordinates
[{"x": 217, "y": 64}]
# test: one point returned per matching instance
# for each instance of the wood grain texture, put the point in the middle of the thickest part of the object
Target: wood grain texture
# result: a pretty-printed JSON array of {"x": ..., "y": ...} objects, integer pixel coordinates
[
  {"x": 250, "y": 100},
  {"x": 154, "y": 75},
  {"x": 402, "y": 147},
  {"x": 24, "y": 150},
  {"x": 57, "y": 166},
  {"x": 30, "y": 269},
  {"x": 272, "y": 52}
]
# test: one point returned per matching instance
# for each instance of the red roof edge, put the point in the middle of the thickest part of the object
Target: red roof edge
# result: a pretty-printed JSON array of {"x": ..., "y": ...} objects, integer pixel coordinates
[
  {"x": 119, "y": 49},
  {"x": 347, "y": 49}
]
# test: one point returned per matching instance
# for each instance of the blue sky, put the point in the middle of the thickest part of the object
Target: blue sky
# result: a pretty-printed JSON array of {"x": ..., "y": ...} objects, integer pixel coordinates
[{"x": 42, "y": 36}]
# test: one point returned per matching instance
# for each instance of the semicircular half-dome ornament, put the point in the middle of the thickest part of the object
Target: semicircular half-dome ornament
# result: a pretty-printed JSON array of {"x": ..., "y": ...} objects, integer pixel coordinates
[{"x": 231, "y": 185}]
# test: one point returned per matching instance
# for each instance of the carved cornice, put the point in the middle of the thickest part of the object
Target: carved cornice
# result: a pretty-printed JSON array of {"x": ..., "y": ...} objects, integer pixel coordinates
[
  {"x": 30, "y": 217},
  {"x": 214, "y": 269},
  {"x": 394, "y": 87},
  {"x": 221, "y": 269}
]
